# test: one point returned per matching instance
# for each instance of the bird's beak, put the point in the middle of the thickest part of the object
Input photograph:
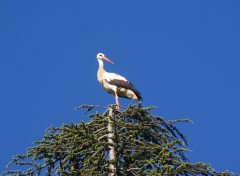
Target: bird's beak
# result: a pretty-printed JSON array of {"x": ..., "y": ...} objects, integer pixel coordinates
[{"x": 108, "y": 60}]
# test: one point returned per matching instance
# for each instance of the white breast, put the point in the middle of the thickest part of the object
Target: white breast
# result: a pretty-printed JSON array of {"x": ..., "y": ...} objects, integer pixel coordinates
[{"x": 108, "y": 87}]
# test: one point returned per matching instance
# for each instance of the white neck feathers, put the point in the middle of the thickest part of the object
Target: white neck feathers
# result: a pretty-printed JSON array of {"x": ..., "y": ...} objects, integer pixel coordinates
[
  {"x": 101, "y": 70},
  {"x": 100, "y": 63}
]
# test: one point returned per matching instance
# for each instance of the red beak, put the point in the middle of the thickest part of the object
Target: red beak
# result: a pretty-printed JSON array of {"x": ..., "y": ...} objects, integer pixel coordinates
[{"x": 108, "y": 60}]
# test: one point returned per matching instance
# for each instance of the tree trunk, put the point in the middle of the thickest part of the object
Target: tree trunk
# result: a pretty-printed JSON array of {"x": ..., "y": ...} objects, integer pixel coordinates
[{"x": 111, "y": 143}]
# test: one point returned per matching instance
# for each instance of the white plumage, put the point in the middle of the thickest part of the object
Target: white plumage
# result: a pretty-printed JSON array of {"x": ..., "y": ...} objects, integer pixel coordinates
[
  {"x": 111, "y": 76},
  {"x": 114, "y": 83}
]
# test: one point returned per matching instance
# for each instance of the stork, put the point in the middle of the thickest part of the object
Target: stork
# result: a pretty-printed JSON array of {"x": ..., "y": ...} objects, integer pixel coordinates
[{"x": 115, "y": 84}]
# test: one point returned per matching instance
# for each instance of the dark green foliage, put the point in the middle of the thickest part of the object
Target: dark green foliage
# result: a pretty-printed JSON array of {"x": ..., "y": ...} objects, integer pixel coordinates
[{"x": 145, "y": 145}]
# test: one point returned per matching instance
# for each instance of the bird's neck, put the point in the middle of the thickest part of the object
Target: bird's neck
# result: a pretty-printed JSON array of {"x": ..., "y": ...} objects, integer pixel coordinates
[
  {"x": 100, "y": 63},
  {"x": 101, "y": 70}
]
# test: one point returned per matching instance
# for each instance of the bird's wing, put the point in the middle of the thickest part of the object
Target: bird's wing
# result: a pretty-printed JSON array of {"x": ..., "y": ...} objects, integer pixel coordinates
[
  {"x": 120, "y": 81},
  {"x": 111, "y": 76}
]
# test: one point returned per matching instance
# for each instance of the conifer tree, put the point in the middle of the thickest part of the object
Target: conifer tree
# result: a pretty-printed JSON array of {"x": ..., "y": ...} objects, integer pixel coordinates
[{"x": 142, "y": 144}]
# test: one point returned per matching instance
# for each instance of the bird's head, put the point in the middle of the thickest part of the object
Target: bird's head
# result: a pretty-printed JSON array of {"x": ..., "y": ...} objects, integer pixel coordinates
[{"x": 101, "y": 56}]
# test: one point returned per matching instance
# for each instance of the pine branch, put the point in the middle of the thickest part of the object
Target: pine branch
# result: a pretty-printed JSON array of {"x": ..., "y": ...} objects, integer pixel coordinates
[{"x": 144, "y": 144}]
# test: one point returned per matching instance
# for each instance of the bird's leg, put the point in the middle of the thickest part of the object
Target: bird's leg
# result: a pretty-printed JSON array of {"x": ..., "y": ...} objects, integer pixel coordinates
[{"x": 117, "y": 103}]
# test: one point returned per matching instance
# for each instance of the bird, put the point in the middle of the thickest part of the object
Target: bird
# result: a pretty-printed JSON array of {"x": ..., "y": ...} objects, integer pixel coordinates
[{"x": 115, "y": 84}]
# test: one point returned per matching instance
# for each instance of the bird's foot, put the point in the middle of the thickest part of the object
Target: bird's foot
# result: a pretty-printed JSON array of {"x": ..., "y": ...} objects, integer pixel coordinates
[{"x": 117, "y": 107}]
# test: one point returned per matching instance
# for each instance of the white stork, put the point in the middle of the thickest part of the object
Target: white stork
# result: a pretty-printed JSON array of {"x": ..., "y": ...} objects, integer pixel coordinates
[{"x": 114, "y": 83}]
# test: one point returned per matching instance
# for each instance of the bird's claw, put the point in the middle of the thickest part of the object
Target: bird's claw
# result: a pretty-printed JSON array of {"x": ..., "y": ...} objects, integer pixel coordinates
[{"x": 117, "y": 107}]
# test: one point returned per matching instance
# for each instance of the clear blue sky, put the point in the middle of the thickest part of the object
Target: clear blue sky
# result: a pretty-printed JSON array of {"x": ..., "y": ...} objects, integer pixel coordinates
[{"x": 183, "y": 56}]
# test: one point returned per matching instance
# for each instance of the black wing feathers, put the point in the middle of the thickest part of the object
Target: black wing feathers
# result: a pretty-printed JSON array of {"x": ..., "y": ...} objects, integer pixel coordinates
[{"x": 126, "y": 85}]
